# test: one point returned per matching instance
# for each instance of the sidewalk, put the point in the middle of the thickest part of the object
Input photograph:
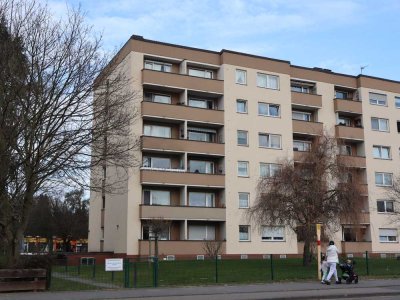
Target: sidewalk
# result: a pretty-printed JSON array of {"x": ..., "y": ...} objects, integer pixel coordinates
[{"x": 291, "y": 290}]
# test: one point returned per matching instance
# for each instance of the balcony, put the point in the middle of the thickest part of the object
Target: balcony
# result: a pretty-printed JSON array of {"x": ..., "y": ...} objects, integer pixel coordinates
[
  {"x": 350, "y": 133},
  {"x": 177, "y": 247},
  {"x": 307, "y": 99},
  {"x": 182, "y": 212},
  {"x": 151, "y": 77},
  {"x": 166, "y": 144},
  {"x": 307, "y": 128},
  {"x": 351, "y": 106},
  {"x": 165, "y": 177},
  {"x": 363, "y": 189},
  {"x": 352, "y": 161},
  {"x": 356, "y": 247},
  {"x": 299, "y": 156},
  {"x": 182, "y": 112}
]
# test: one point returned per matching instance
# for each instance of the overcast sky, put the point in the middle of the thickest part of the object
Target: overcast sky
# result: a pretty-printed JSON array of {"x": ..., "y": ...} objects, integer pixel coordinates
[{"x": 341, "y": 35}]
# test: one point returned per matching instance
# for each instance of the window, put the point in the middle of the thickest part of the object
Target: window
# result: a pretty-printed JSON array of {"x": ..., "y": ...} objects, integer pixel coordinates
[
  {"x": 344, "y": 121},
  {"x": 302, "y": 116},
  {"x": 397, "y": 102},
  {"x": 345, "y": 150},
  {"x": 270, "y": 110},
  {"x": 149, "y": 234},
  {"x": 267, "y": 81},
  {"x": 199, "y": 166},
  {"x": 201, "y": 103},
  {"x": 300, "y": 89},
  {"x": 201, "y": 199},
  {"x": 157, "y": 66},
  {"x": 302, "y": 146},
  {"x": 201, "y": 232},
  {"x": 153, "y": 197},
  {"x": 241, "y": 106},
  {"x": 380, "y": 124},
  {"x": 386, "y": 206},
  {"x": 242, "y": 138},
  {"x": 377, "y": 99},
  {"x": 273, "y": 233},
  {"x": 383, "y": 179},
  {"x": 244, "y": 200},
  {"x": 156, "y": 162},
  {"x": 241, "y": 76},
  {"x": 269, "y": 170},
  {"x": 269, "y": 140},
  {"x": 243, "y": 168},
  {"x": 201, "y": 134},
  {"x": 201, "y": 73},
  {"x": 382, "y": 152},
  {"x": 387, "y": 235},
  {"x": 398, "y": 126},
  {"x": 151, "y": 97},
  {"x": 244, "y": 233},
  {"x": 341, "y": 95},
  {"x": 157, "y": 131}
]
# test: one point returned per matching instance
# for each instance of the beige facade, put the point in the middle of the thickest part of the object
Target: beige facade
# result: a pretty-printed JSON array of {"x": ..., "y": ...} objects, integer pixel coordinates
[{"x": 211, "y": 123}]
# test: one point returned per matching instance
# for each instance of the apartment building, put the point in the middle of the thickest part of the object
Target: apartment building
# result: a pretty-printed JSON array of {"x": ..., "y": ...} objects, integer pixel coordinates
[{"x": 211, "y": 123}]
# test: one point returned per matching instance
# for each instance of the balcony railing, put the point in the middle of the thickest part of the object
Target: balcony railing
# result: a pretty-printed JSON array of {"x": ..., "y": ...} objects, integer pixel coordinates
[
  {"x": 182, "y": 212},
  {"x": 306, "y": 99},
  {"x": 352, "y": 161},
  {"x": 182, "y": 112},
  {"x": 151, "y": 77},
  {"x": 356, "y": 247},
  {"x": 352, "y": 106},
  {"x": 181, "y": 178},
  {"x": 307, "y": 128},
  {"x": 183, "y": 145},
  {"x": 182, "y": 247},
  {"x": 351, "y": 133}
]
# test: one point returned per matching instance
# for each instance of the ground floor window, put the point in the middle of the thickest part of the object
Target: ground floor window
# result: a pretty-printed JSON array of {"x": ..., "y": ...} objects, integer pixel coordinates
[
  {"x": 273, "y": 233},
  {"x": 201, "y": 232},
  {"x": 387, "y": 235}
]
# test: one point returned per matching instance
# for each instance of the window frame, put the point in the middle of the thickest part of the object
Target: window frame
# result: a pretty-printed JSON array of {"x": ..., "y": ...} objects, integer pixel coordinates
[
  {"x": 268, "y": 80},
  {"x": 154, "y": 127},
  {"x": 385, "y": 208},
  {"x": 376, "y": 101},
  {"x": 210, "y": 202},
  {"x": 151, "y": 197},
  {"x": 269, "y": 140},
  {"x": 397, "y": 102},
  {"x": 380, "y": 147},
  {"x": 304, "y": 143},
  {"x": 245, "y": 106},
  {"x": 205, "y": 71},
  {"x": 247, "y": 168},
  {"x": 384, "y": 174},
  {"x": 148, "y": 162},
  {"x": 247, "y": 200},
  {"x": 388, "y": 236},
  {"x": 248, "y": 233},
  {"x": 272, "y": 238},
  {"x": 247, "y": 138},
  {"x": 208, "y": 164},
  {"x": 268, "y": 105},
  {"x": 237, "y": 71},
  {"x": 272, "y": 169},
  {"x": 304, "y": 114},
  {"x": 379, "y": 124},
  {"x": 163, "y": 64}
]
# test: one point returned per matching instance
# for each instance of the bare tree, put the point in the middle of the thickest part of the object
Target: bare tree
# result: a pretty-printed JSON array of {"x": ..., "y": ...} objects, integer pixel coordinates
[
  {"x": 312, "y": 190},
  {"x": 58, "y": 111},
  {"x": 212, "y": 248},
  {"x": 156, "y": 228},
  {"x": 393, "y": 194}
]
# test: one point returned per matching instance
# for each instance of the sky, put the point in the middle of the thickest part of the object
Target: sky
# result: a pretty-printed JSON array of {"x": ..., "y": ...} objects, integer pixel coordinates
[{"x": 341, "y": 35}]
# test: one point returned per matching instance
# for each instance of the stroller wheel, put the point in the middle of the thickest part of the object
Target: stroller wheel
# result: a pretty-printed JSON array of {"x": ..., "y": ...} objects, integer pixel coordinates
[
  {"x": 356, "y": 280},
  {"x": 348, "y": 280}
]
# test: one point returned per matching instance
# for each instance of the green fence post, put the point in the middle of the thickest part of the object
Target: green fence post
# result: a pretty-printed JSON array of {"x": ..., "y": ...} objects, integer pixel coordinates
[
  {"x": 216, "y": 269},
  {"x": 367, "y": 262},
  {"x": 134, "y": 275},
  {"x": 272, "y": 268},
  {"x": 66, "y": 264},
  {"x": 155, "y": 271},
  {"x": 94, "y": 269},
  {"x": 48, "y": 282},
  {"x": 126, "y": 273},
  {"x": 79, "y": 268}
]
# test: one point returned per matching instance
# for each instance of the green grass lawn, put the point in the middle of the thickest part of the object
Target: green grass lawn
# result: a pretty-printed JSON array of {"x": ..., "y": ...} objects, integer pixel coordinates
[{"x": 184, "y": 273}]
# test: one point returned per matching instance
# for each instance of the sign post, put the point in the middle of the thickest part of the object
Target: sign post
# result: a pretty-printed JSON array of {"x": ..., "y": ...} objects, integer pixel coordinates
[{"x": 318, "y": 227}]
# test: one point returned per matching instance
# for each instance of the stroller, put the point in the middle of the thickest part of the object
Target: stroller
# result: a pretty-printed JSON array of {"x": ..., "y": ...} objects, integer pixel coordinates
[{"x": 348, "y": 272}]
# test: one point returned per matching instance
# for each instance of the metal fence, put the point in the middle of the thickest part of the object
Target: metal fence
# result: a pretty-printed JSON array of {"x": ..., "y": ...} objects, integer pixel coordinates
[{"x": 151, "y": 272}]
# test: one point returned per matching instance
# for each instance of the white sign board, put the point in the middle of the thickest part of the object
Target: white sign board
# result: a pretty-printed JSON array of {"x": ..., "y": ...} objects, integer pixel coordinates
[{"x": 114, "y": 264}]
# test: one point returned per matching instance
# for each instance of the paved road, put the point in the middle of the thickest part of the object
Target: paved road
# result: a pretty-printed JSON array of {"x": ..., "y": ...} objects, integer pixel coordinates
[{"x": 292, "y": 290}]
